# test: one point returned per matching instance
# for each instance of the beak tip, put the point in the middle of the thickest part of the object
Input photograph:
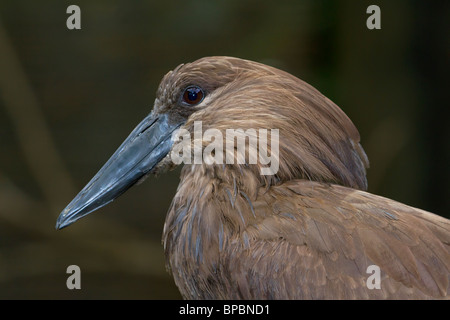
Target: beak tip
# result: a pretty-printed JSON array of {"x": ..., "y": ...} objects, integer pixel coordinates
[
  {"x": 64, "y": 219},
  {"x": 60, "y": 222}
]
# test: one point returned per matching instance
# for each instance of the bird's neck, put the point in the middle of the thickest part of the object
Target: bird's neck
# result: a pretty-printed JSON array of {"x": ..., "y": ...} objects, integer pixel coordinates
[
  {"x": 210, "y": 212},
  {"x": 211, "y": 195}
]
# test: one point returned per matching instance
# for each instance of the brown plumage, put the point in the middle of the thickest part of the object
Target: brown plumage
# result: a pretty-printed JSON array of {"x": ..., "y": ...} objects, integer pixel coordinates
[{"x": 310, "y": 231}]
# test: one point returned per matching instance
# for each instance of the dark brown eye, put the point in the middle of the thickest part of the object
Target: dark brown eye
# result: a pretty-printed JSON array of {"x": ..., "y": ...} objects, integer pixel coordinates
[{"x": 193, "y": 95}]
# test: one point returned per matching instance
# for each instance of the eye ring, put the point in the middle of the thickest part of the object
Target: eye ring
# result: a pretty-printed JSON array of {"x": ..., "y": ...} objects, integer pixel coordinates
[{"x": 193, "y": 95}]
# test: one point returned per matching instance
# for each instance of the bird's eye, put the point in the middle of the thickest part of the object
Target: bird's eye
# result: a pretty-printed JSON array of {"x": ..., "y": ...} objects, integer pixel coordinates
[{"x": 193, "y": 95}]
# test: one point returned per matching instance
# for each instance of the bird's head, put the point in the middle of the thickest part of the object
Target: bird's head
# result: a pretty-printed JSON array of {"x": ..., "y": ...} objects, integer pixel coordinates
[{"x": 199, "y": 103}]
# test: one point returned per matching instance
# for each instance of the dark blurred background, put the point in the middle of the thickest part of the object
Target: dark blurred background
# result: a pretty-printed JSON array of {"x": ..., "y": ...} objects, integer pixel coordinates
[{"x": 68, "y": 98}]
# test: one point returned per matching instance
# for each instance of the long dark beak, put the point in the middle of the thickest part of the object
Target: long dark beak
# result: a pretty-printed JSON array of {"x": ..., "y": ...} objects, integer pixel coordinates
[{"x": 144, "y": 148}]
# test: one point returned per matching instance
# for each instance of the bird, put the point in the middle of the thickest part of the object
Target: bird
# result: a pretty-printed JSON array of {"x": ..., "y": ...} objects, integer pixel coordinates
[{"x": 308, "y": 229}]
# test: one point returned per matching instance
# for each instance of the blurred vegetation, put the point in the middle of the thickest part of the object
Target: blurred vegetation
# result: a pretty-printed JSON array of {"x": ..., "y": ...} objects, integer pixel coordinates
[{"x": 68, "y": 98}]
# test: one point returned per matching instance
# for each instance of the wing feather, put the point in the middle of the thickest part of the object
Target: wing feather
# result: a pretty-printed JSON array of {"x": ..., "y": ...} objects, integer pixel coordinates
[{"x": 320, "y": 239}]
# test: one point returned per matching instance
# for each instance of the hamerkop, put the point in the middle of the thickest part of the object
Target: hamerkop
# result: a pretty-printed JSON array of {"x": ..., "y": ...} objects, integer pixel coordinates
[{"x": 307, "y": 230}]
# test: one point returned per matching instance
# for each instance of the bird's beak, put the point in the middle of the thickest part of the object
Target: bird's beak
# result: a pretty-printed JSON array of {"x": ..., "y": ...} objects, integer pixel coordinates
[{"x": 144, "y": 148}]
